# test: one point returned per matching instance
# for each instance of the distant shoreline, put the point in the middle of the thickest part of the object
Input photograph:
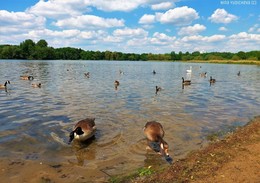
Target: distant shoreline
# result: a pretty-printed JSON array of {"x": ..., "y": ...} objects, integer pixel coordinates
[{"x": 248, "y": 62}]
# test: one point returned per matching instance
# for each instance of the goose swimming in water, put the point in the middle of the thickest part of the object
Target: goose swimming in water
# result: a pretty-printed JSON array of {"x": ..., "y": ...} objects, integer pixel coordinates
[
  {"x": 83, "y": 130},
  {"x": 238, "y": 74},
  {"x": 204, "y": 74},
  {"x": 185, "y": 82},
  {"x": 26, "y": 77},
  {"x": 87, "y": 74},
  {"x": 4, "y": 86},
  {"x": 154, "y": 133},
  {"x": 116, "y": 83},
  {"x": 36, "y": 85},
  {"x": 211, "y": 80},
  {"x": 157, "y": 89}
]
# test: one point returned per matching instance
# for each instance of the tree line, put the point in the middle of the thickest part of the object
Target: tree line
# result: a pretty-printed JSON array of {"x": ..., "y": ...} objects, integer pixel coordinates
[{"x": 40, "y": 50}]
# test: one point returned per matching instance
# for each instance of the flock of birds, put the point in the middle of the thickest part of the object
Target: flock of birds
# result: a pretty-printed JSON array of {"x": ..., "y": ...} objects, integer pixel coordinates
[
  {"x": 24, "y": 77},
  {"x": 154, "y": 132}
]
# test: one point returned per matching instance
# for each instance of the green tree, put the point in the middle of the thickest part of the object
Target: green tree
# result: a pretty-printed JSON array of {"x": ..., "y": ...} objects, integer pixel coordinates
[
  {"x": 28, "y": 48},
  {"x": 42, "y": 43}
]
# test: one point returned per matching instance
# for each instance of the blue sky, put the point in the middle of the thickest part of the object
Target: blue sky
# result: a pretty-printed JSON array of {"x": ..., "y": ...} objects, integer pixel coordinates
[{"x": 139, "y": 26}]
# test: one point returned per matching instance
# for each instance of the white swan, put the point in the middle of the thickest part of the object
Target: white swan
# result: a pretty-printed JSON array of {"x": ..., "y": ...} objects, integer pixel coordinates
[{"x": 189, "y": 70}]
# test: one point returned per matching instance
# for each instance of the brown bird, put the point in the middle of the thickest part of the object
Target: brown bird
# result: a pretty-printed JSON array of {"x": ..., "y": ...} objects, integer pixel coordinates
[
  {"x": 211, "y": 80},
  {"x": 186, "y": 82},
  {"x": 87, "y": 74},
  {"x": 36, "y": 85},
  {"x": 154, "y": 133},
  {"x": 157, "y": 89},
  {"x": 116, "y": 83},
  {"x": 25, "y": 77},
  {"x": 4, "y": 86},
  {"x": 83, "y": 130},
  {"x": 203, "y": 74}
]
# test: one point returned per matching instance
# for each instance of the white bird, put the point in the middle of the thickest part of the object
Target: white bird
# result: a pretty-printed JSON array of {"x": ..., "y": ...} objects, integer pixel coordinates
[{"x": 189, "y": 70}]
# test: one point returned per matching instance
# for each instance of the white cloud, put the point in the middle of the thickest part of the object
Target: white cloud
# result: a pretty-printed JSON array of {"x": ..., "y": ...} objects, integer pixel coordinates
[
  {"x": 222, "y": 16},
  {"x": 192, "y": 30},
  {"x": 62, "y": 9},
  {"x": 89, "y": 22},
  {"x": 243, "y": 36},
  {"x": 147, "y": 19},
  {"x": 243, "y": 41},
  {"x": 11, "y": 22},
  {"x": 223, "y": 29},
  {"x": 59, "y": 8},
  {"x": 161, "y": 39},
  {"x": 178, "y": 16},
  {"x": 198, "y": 38},
  {"x": 162, "y": 6},
  {"x": 127, "y": 32},
  {"x": 254, "y": 28}
]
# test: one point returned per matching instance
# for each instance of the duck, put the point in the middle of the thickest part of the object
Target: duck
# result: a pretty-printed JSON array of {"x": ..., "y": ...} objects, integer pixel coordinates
[
  {"x": 157, "y": 89},
  {"x": 25, "y": 77},
  {"x": 189, "y": 70},
  {"x": 185, "y": 82},
  {"x": 4, "y": 86},
  {"x": 154, "y": 133},
  {"x": 36, "y": 85},
  {"x": 211, "y": 80},
  {"x": 83, "y": 130}
]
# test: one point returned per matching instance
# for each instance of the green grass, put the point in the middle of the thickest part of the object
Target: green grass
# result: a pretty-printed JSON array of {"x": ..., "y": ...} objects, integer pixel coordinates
[{"x": 140, "y": 172}]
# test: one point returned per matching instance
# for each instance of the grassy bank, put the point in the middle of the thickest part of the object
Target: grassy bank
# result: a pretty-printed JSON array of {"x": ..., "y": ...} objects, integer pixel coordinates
[
  {"x": 249, "y": 62},
  {"x": 232, "y": 159}
]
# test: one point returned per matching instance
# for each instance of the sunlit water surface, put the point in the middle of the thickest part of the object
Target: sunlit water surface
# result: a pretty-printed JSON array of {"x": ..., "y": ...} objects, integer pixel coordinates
[{"x": 36, "y": 122}]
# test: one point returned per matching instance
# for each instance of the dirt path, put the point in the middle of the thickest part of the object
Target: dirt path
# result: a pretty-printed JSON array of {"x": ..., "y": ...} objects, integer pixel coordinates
[{"x": 233, "y": 159}]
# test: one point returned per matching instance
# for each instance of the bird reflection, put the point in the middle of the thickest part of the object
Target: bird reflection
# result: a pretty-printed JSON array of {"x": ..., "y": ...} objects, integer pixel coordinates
[{"x": 83, "y": 151}]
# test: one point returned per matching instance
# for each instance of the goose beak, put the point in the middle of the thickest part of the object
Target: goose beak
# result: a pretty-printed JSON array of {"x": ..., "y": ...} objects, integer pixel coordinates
[{"x": 71, "y": 137}]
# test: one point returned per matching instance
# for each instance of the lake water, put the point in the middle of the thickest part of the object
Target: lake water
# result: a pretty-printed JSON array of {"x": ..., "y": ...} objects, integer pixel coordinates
[{"x": 36, "y": 122}]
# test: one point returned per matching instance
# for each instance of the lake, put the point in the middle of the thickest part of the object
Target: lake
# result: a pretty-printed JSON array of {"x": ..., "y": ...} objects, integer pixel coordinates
[{"x": 36, "y": 122}]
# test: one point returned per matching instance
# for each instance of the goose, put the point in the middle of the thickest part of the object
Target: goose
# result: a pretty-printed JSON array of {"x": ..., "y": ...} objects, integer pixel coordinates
[
  {"x": 36, "y": 85},
  {"x": 157, "y": 89},
  {"x": 238, "y": 73},
  {"x": 83, "y": 130},
  {"x": 154, "y": 133},
  {"x": 121, "y": 72},
  {"x": 185, "y": 82},
  {"x": 87, "y": 74},
  {"x": 4, "y": 86},
  {"x": 204, "y": 74},
  {"x": 212, "y": 80},
  {"x": 154, "y": 72},
  {"x": 116, "y": 83},
  {"x": 25, "y": 77},
  {"x": 189, "y": 70}
]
